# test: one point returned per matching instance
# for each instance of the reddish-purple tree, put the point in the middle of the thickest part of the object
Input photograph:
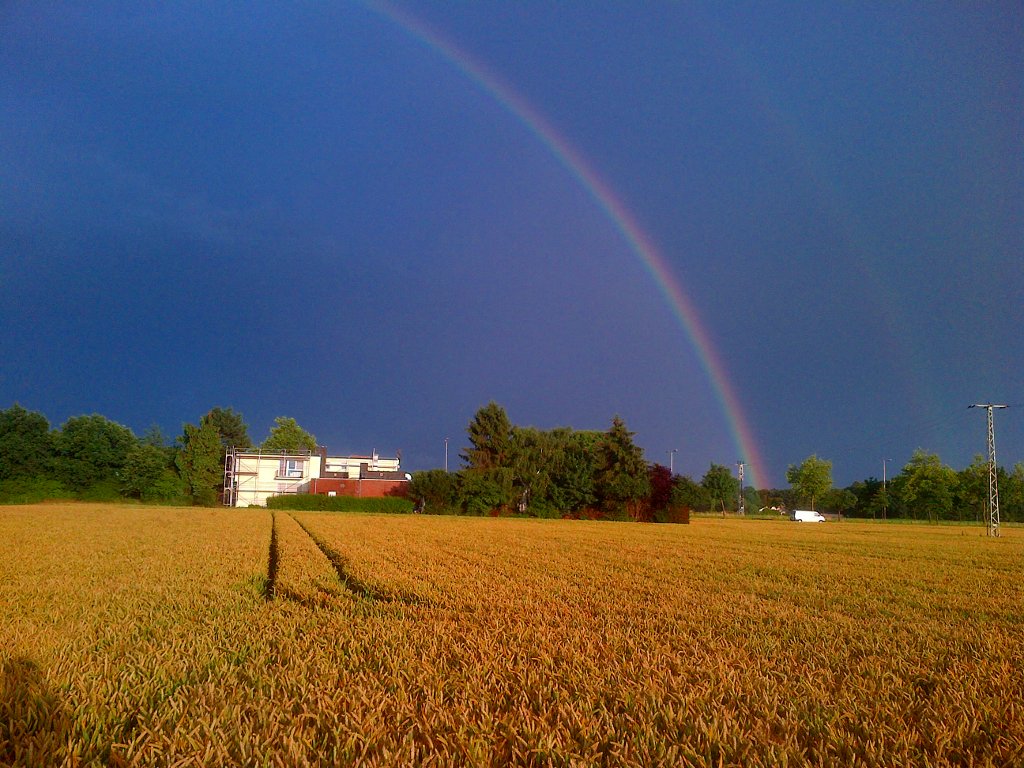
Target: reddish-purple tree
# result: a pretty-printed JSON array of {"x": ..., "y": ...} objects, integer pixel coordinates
[{"x": 661, "y": 488}]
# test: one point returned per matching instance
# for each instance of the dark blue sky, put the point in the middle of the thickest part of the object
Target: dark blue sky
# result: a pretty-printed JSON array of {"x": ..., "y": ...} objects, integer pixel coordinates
[{"x": 306, "y": 210}]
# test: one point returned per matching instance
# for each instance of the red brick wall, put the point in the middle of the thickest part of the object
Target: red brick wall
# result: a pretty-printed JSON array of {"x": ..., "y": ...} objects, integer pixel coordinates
[{"x": 361, "y": 488}]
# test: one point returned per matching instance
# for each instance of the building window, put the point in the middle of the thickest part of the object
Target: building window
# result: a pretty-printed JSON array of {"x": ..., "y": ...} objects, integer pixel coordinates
[{"x": 291, "y": 468}]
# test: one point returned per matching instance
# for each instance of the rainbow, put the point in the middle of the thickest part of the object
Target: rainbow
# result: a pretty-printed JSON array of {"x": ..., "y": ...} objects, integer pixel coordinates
[{"x": 617, "y": 212}]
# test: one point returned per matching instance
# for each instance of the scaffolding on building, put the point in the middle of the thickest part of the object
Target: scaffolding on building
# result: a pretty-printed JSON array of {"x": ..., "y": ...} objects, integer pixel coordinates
[{"x": 235, "y": 469}]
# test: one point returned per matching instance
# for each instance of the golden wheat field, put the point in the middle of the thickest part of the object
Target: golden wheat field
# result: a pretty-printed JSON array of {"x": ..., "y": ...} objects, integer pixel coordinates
[{"x": 170, "y": 637}]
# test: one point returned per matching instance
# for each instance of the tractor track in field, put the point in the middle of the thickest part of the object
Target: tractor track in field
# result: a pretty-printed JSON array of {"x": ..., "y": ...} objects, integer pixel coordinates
[
  {"x": 270, "y": 585},
  {"x": 353, "y": 583}
]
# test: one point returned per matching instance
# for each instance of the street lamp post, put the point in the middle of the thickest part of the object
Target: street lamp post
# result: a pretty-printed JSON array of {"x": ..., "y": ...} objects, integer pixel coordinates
[
  {"x": 446, "y": 455},
  {"x": 671, "y": 463}
]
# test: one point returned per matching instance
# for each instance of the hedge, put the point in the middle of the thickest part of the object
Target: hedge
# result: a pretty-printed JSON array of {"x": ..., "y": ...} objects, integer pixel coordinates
[
  {"x": 32, "y": 490},
  {"x": 311, "y": 502}
]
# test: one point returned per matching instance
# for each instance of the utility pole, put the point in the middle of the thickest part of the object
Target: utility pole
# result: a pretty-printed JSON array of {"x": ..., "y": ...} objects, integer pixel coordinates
[
  {"x": 993, "y": 481},
  {"x": 446, "y": 455},
  {"x": 740, "y": 506},
  {"x": 671, "y": 464}
]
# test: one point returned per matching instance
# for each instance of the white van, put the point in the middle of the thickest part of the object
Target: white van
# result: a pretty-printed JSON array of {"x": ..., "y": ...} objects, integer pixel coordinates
[{"x": 806, "y": 516}]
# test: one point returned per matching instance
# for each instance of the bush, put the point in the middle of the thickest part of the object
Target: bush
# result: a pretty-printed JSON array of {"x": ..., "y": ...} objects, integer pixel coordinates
[
  {"x": 434, "y": 490},
  {"x": 673, "y": 514},
  {"x": 205, "y": 497},
  {"x": 168, "y": 489},
  {"x": 310, "y": 502},
  {"x": 32, "y": 490},
  {"x": 104, "y": 490}
]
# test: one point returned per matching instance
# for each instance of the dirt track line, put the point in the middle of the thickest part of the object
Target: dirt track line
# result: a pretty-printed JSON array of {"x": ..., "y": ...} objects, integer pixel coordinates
[
  {"x": 353, "y": 583},
  {"x": 270, "y": 586}
]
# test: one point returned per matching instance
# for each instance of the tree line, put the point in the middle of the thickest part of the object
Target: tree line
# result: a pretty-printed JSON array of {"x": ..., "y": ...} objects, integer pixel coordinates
[
  {"x": 924, "y": 489},
  {"x": 511, "y": 469},
  {"x": 95, "y": 459},
  {"x": 507, "y": 469},
  {"x": 564, "y": 472}
]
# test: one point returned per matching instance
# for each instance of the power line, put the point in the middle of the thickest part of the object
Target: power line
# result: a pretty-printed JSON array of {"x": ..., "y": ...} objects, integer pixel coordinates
[{"x": 894, "y": 436}]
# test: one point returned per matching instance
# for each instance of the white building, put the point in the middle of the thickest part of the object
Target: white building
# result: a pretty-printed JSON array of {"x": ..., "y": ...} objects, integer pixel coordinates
[{"x": 251, "y": 477}]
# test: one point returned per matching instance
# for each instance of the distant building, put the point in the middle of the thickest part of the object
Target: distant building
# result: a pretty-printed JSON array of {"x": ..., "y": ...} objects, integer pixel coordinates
[{"x": 251, "y": 477}]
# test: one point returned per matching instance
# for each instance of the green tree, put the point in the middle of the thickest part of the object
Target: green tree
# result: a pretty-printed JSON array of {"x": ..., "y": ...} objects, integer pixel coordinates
[
  {"x": 169, "y": 487},
  {"x": 154, "y": 436},
  {"x": 487, "y": 483},
  {"x": 689, "y": 494},
  {"x": 1011, "y": 494},
  {"x": 144, "y": 467},
  {"x": 621, "y": 482},
  {"x": 865, "y": 491},
  {"x": 839, "y": 500},
  {"x": 286, "y": 435},
  {"x": 927, "y": 486},
  {"x": 232, "y": 428},
  {"x": 880, "y": 505},
  {"x": 972, "y": 489},
  {"x": 26, "y": 446},
  {"x": 483, "y": 491},
  {"x": 141, "y": 478},
  {"x": 811, "y": 480},
  {"x": 751, "y": 499},
  {"x": 721, "y": 487},
  {"x": 91, "y": 450},
  {"x": 434, "y": 491},
  {"x": 490, "y": 438},
  {"x": 573, "y": 471},
  {"x": 534, "y": 456},
  {"x": 198, "y": 461}
]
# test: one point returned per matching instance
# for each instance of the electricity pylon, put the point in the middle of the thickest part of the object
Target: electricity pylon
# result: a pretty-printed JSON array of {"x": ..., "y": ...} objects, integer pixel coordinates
[
  {"x": 993, "y": 476},
  {"x": 741, "y": 508}
]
